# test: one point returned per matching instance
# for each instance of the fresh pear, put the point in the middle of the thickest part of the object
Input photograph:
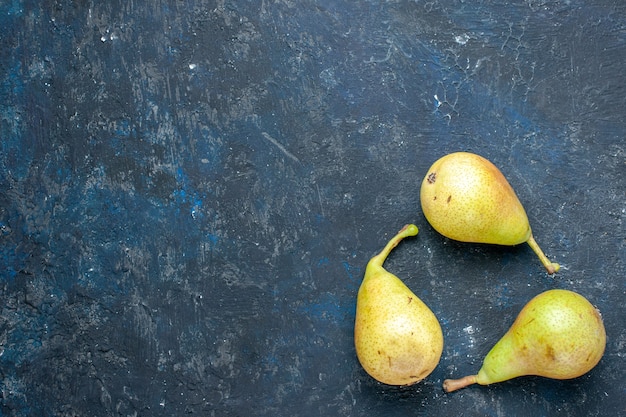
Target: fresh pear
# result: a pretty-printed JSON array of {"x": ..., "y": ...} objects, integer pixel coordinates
[
  {"x": 466, "y": 198},
  {"x": 559, "y": 334},
  {"x": 397, "y": 337}
]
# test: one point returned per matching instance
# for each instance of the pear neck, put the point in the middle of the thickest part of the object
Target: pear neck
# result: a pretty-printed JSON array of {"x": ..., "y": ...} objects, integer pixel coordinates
[{"x": 503, "y": 362}]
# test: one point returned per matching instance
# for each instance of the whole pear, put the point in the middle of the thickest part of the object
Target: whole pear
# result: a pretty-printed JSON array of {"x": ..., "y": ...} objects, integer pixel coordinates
[
  {"x": 559, "y": 334},
  {"x": 397, "y": 337},
  {"x": 466, "y": 198}
]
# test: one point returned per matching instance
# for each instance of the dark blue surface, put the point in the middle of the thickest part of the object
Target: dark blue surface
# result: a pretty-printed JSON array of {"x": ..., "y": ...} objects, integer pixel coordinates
[{"x": 190, "y": 191}]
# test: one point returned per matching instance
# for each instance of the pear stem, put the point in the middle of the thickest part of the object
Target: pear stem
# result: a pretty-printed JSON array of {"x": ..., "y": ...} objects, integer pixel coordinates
[
  {"x": 407, "y": 230},
  {"x": 551, "y": 267},
  {"x": 450, "y": 385}
]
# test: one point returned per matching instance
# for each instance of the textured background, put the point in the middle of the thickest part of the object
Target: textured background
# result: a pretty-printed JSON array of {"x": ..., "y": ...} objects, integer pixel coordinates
[{"x": 190, "y": 190}]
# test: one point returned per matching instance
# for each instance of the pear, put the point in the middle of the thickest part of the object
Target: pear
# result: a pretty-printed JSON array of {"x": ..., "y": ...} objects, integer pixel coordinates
[
  {"x": 466, "y": 198},
  {"x": 398, "y": 339},
  {"x": 559, "y": 334}
]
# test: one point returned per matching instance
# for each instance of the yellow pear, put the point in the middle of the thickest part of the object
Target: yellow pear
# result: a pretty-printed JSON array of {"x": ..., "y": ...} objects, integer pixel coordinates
[
  {"x": 559, "y": 334},
  {"x": 397, "y": 337},
  {"x": 466, "y": 198}
]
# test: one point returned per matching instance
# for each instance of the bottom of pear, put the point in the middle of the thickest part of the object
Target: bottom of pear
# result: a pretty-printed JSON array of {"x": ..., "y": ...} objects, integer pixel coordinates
[{"x": 450, "y": 385}]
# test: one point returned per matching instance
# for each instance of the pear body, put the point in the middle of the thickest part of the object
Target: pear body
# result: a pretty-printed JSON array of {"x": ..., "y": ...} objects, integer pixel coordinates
[
  {"x": 559, "y": 334},
  {"x": 466, "y": 198},
  {"x": 398, "y": 339}
]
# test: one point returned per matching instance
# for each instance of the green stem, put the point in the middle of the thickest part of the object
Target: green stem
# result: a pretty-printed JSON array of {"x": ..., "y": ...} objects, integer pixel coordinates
[
  {"x": 406, "y": 231},
  {"x": 551, "y": 267}
]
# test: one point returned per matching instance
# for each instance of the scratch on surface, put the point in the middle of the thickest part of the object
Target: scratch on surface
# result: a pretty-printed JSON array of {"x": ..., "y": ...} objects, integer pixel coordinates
[
  {"x": 319, "y": 196},
  {"x": 279, "y": 146}
]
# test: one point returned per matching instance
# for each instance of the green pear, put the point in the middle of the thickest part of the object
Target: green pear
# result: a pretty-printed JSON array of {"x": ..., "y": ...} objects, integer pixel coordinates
[
  {"x": 466, "y": 198},
  {"x": 398, "y": 339},
  {"x": 559, "y": 334}
]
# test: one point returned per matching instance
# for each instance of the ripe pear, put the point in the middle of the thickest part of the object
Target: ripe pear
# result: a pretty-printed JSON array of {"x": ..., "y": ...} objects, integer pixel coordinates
[
  {"x": 559, "y": 334},
  {"x": 397, "y": 337},
  {"x": 466, "y": 198}
]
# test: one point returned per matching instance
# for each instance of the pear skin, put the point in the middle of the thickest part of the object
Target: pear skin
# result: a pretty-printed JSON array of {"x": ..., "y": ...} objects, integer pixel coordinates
[
  {"x": 398, "y": 339},
  {"x": 466, "y": 198},
  {"x": 559, "y": 334}
]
